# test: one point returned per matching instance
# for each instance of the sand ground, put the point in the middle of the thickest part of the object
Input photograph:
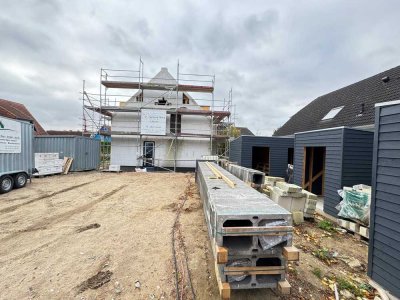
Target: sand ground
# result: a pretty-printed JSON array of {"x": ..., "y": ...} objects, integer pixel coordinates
[{"x": 93, "y": 235}]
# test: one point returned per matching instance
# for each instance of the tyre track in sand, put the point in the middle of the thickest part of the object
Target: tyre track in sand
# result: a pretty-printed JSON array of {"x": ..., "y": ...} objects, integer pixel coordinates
[
  {"x": 63, "y": 216},
  {"x": 45, "y": 196}
]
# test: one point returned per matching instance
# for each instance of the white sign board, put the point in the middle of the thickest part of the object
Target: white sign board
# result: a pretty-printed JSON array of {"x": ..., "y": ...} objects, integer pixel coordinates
[
  {"x": 153, "y": 121},
  {"x": 10, "y": 136}
]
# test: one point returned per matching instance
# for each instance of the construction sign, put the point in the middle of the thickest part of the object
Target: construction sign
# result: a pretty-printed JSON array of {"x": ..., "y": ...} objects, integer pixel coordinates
[
  {"x": 10, "y": 136},
  {"x": 153, "y": 122}
]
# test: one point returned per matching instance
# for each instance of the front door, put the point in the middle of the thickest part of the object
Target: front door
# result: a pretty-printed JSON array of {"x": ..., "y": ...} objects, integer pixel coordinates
[{"x": 148, "y": 154}]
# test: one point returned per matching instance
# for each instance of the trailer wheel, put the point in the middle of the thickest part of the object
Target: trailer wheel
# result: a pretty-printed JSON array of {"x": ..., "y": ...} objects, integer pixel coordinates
[
  {"x": 20, "y": 180},
  {"x": 6, "y": 184}
]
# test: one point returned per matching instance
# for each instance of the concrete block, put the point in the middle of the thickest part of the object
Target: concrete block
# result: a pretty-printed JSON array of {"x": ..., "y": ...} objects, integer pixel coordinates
[
  {"x": 288, "y": 187},
  {"x": 343, "y": 223},
  {"x": 309, "y": 216},
  {"x": 270, "y": 180},
  {"x": 309, "y": 195},
  {"x": 285, "y": 202},
  {"x": 364, "y": 231},
  {"x": 354, "y": 227},
  {"x": 283, "y": 193},
  {"x": 298, "y": 217},
  {"x": 298, "y": 204},
  {"x": 309, "y": 211}
]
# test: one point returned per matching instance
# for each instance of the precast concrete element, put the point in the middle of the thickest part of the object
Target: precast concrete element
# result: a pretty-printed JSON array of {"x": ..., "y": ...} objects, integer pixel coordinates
[
  {"x": 241, "y": 219},
  {"x": 245, "y": 174}
]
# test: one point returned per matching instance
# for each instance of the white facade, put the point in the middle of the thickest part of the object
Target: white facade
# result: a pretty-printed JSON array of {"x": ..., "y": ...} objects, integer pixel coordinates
[{"x": 127, "y": 145}]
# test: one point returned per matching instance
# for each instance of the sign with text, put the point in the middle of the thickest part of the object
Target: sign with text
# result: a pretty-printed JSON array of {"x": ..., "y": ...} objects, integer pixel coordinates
[
  {"x": 10, "y": 136},
  {"x": 153, "y": 122}
]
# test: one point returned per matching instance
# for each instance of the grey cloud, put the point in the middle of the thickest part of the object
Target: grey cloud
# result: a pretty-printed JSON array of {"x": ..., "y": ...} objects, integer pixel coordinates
[{"x": 277, "y": 56}]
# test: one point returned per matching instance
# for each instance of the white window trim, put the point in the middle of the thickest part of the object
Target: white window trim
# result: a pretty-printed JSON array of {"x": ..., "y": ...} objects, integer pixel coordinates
[{"x": 332, "y": 113}]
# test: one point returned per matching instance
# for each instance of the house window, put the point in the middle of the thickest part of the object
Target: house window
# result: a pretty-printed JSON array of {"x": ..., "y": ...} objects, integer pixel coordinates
[
  {"x": 332, "y": 113},
  {"x": 185, "y": 99},
  {"x": 173, "y": 123},
  {"x": 139, "y": 98}
]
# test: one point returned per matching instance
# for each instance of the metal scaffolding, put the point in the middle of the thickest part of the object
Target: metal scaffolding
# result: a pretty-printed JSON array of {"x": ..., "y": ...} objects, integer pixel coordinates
[{"x": 98, "y": 109}]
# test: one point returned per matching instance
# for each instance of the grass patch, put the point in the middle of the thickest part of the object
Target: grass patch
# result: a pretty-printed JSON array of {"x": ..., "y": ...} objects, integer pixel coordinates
[
  {"x": 344, "y": 284},
  {"x": 317, "y": 272},
  {"x": 326, "y": 225},
  {"x": 323, "y": 254}
]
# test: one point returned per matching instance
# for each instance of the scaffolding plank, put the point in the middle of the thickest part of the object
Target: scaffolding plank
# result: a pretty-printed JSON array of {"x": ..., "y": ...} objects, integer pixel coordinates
[{"x": 152, "y": 86}]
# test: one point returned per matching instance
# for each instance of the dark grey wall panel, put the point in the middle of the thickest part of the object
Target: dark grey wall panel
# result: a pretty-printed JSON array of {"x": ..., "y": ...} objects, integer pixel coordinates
[
  {"x": 235, "y": 150},
  {"x": 278, "y": 152},
  {"x": 332, "y": 139},
  {"x": 357, "y": 157},
  {"x": 384, "y": 245}
]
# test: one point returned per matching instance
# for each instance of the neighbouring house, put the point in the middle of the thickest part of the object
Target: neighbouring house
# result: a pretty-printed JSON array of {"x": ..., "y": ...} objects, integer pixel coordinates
[
  {"x": 18, "y": 111},
  {"x": 244, "y": 131},
  {"x": 161, "y": 128},
  {"x": 68, "y": 132},
  {"x": 351, "y": 106},
  {"x": 333, "y": 136}
]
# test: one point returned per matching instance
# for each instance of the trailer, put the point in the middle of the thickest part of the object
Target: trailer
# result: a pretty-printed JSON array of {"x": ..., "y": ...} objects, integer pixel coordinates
[{"x": 16, "y": 153}]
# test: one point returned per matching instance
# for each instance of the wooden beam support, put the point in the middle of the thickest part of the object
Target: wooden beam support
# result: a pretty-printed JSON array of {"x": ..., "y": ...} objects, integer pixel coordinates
[
  {"x": 284, "y": 287},
  {"x": 222, "y": 255},
  {"x": 220, "y": 175},
  {"x": 261, "y": 270},
  {"x": 250, "y": 231},
  {"x": 291, "y": 253},
  {"x": 224, "y": 287}
]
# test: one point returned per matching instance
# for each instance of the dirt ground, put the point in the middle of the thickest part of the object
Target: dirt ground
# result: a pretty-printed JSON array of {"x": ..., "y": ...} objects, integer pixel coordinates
[{"x": 109, "y": 236}]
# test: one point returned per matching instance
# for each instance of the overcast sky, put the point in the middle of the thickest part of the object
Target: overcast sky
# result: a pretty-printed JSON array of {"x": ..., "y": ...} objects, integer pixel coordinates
[{"x": 276, "y": 55}]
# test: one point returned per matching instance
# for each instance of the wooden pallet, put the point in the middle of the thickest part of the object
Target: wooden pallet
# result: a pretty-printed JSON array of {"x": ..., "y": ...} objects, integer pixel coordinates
[{"x": 67, "y": 164}]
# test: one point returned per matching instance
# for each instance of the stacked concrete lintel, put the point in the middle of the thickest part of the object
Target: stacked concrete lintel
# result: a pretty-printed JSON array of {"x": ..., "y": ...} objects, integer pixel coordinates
[
  {"x": 246, "y": 174},
  {"x": 253, "y": 231}
]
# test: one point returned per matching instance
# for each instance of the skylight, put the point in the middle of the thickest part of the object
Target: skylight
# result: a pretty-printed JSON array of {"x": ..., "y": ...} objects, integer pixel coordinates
[{"x": 332, "y": 113}]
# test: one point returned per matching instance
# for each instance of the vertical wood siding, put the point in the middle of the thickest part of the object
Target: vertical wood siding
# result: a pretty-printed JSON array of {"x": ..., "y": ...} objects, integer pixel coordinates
[
  {"x": 384, "y": 245},
  {"x": 278, "y": 152},
  {"x": 332, "y": 139}
]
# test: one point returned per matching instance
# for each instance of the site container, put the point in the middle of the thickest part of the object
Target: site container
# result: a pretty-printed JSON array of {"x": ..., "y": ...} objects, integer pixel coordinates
[
  {"x": 16, "y": 153},
  {"x": 85, "y": 151}
]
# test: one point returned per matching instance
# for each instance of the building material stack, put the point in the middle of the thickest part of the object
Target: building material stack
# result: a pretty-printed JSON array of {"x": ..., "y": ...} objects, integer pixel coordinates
[
  {"x": 251, "y": 236},
  {"x": 247, "y": 175},
  {"x": 271, "y": 180},
  {"x": 294, "y": 199},
  {"x": 311, "y": 204},
  {"x": 354, "y": 209},
  {"x": 48, "y": 163}
]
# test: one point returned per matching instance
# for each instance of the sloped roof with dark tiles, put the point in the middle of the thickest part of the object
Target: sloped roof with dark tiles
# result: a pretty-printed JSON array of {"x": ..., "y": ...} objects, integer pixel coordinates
[
  {"x": 245, "y": 131},
  {"x": 365, "y": 93},
  {"x": 14, "y": 110},
  {"x": 68, "y": 132}
]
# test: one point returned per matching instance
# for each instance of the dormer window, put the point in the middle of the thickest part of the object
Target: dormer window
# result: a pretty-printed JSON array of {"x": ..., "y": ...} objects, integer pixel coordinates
[
  {"x": 185, "y": 99},
  {"x": 332, "y": 113}
]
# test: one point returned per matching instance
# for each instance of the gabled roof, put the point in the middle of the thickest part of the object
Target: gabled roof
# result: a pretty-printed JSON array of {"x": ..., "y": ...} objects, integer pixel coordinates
[
  {"x": 163, "y": 77},
  {"x": 14, "y": 110},
  {"x": 358, "y": 101}
]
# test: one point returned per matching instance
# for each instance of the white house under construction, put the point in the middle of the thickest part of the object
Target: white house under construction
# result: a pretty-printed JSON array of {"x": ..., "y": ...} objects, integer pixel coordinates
[{"x": 162, "y": 125}]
